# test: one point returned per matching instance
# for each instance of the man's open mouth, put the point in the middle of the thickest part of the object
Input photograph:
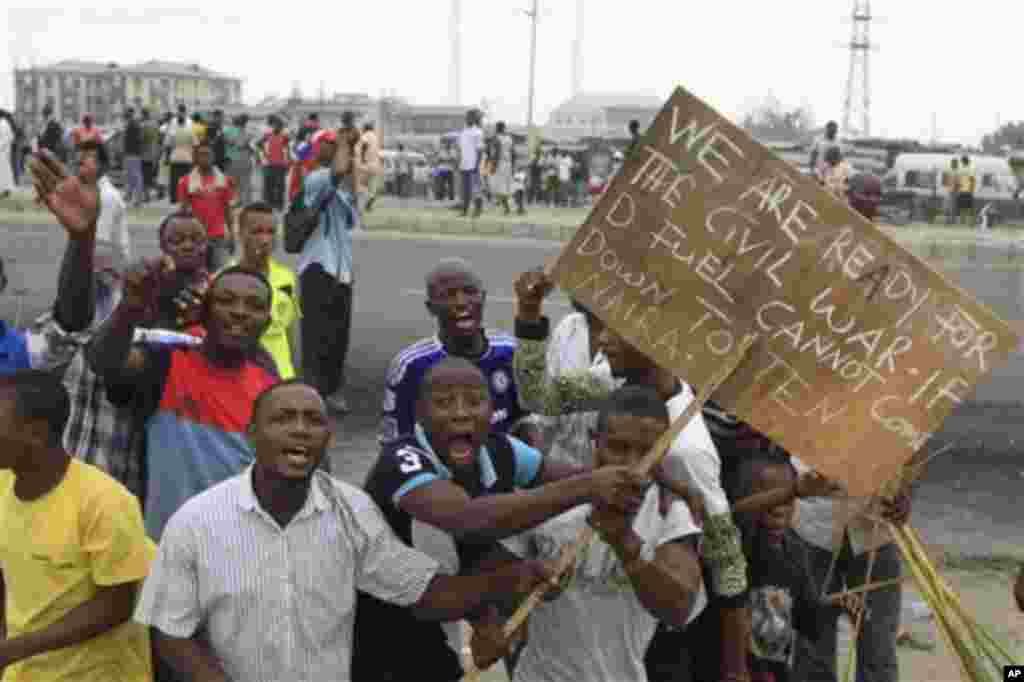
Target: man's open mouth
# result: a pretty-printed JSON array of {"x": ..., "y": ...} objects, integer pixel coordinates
[
  {"x": 465, "y": 321},
  {"x": 298, "y": 455},
  {"x": 460, "y": 449}
]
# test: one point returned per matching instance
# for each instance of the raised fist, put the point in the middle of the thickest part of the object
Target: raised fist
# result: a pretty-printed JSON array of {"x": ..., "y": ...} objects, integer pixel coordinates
[{"x": 144, "y": 279}]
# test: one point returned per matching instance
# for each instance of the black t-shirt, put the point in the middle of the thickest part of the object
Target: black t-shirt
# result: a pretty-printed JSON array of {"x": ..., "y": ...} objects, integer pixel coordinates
[
  {"x": 132, "y": 139},
  {"x": 390, "y": 644},
  {"x": 53, "y": 138},
  {"x": 784, "y": 604}
]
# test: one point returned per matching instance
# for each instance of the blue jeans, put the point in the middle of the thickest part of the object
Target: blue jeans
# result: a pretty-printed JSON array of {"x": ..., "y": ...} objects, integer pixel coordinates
[
  {"x": 470, "y": 187},
  {"x": 876, "y": 647},
  {"x": 136, "y": 186}
]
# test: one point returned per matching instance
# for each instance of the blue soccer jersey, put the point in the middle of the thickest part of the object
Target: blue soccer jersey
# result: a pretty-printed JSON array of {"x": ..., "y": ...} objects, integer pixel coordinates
[{"x": 409, "y": 367}]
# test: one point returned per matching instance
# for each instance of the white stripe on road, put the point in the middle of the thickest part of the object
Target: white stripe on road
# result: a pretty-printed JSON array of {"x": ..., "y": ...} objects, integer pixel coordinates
[{"x": 490, "y": 299}]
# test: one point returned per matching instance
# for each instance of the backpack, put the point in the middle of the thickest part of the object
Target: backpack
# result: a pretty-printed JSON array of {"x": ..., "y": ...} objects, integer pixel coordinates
[{"x": 300, "y": 221}]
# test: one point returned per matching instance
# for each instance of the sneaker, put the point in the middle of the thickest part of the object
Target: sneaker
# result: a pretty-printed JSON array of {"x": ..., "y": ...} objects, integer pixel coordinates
[{"x": 337, "y": 403}]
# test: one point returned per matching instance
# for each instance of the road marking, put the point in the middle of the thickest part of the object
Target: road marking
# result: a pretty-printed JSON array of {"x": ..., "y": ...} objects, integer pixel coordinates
[{"x": 490, "y": 299}]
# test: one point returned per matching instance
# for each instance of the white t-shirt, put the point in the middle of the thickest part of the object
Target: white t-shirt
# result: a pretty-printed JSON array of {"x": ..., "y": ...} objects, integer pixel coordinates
[
  {"x": 565, "y": 165},
  {"x": 113, "y": 242},
  {"x": 471, "y": 143},
  {"x": 693, "y": 457},
  {"x": 597, "y": 630}
]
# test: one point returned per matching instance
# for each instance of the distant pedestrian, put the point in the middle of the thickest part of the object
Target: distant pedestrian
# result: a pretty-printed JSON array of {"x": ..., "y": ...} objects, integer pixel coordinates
[
  {"x": 403, "y": 173},
  {"x": 471, "y": 149},
  {"x": 967, "y": 185},
  {"x": 135, "y": 189},
  {"x": 208, "y": 194},
  {"x": 7, "y": 144},
  {"x": 368, "y": 182},
  {"x": 837, "y": 173},
  {"x": 634, "y": 136},
  {"x": 198, "y": 126},
  {"x": 504, "y": 166},
  {"x": 240, "y": 157},
  {"x": 52, "y": 135},
  {"x": 215, "y": 137},
  {"x": 951, "y": 183},
  {"x": 181, "y": 141},
  {"x": 821, "y": 146},
  {"x": 276, "y": 158},
  {"x": 445, "y": 172},
  {"x": 86, "y": 131},
  {"x": 151, "y": 151}
]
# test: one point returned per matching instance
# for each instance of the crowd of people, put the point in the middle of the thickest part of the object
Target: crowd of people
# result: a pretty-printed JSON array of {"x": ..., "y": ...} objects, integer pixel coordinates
[
  {"x": 168, "y": 512},
  {"x": 156, "y": 153}
]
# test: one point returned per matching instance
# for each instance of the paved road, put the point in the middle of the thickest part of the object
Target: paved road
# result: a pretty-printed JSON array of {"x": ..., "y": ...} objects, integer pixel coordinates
[{"x": 981, "y": 480}]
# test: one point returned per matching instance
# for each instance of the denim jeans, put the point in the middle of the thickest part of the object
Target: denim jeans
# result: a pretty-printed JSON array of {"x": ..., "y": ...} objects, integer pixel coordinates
[
  {"x": 876, "y": 646},
  {"x": 470, "y": 187},
  {"x": 136, "y": 185}
]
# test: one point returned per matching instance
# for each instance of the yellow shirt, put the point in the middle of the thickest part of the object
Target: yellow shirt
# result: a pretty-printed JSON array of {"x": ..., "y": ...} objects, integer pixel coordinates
[
  {"x": 967, "y": 180},
  {"x": 284, "y": 312},
  {"x": 55, "y": 552},
  {"x": 199, "y": 129}
]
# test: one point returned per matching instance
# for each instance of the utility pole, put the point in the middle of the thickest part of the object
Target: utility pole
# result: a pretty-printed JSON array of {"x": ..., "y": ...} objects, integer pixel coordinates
[
  {"x": 577, "y": 51},
  {"x": 534, "y": 15},
  {"x": 455, "y": 68}
]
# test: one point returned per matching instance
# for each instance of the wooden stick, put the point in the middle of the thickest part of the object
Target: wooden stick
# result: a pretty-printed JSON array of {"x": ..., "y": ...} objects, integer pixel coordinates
[
  {"x": 650, "y": 461},
  {"x": 835, "y": 598}
]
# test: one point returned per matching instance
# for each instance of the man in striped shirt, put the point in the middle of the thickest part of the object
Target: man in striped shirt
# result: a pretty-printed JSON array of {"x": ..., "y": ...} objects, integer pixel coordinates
[{"x": 266, "y": 564}]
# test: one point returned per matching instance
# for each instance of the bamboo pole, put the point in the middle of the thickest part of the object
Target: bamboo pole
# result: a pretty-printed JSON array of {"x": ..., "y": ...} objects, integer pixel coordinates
[
  {"x": 650, "y": 461},
  {"x": 838, "y": 596},
  {"x": 922, "y": 582}
]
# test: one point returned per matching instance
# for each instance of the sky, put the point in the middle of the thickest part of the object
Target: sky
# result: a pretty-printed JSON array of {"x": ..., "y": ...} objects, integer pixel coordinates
[{"x": 944, "y": 69}]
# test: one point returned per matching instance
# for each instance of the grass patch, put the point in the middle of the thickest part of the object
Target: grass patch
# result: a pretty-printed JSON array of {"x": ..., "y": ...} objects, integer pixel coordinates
[{"x": 991, "y": 563}]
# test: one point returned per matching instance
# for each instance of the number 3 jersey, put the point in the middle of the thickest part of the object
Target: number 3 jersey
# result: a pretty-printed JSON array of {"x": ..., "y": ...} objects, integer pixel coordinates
[{"x": 390, "y": 643}]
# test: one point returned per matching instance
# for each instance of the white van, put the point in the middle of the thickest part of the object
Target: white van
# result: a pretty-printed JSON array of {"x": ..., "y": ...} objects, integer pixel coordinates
[
  {"x": 389, "y": 160},
  {"x": 926, "y": 175}
]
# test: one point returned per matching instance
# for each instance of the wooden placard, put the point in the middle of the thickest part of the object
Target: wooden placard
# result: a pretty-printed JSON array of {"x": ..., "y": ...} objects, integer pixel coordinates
[{"x": 705, "y": 236}]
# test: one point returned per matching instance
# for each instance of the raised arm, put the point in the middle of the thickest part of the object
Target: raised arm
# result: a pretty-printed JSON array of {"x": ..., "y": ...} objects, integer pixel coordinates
[
  {"x": 76, "y": 205},
  {"x": 809, "y": 484},
  {"x": 111, "y": 353},
  {"x": 565, "y": 394}
]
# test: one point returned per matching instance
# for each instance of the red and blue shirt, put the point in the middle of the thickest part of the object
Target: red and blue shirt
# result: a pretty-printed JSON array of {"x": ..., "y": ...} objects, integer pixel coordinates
[{"x": 196, "y": 415}]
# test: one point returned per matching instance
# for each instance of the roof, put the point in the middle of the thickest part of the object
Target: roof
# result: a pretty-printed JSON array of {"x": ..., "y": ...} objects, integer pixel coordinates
[
  {"x": 595, "y": 100},
  {"x": 78, "y": 66},
  {"x": 152, "y": 67},
  {"x": 163, "y": 68}
]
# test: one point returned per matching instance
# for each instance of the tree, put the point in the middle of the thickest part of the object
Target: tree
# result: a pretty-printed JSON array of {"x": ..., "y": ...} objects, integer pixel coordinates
[
  {"x": 1009, "y": 135},
  {"x": 769, "y": 120}
]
